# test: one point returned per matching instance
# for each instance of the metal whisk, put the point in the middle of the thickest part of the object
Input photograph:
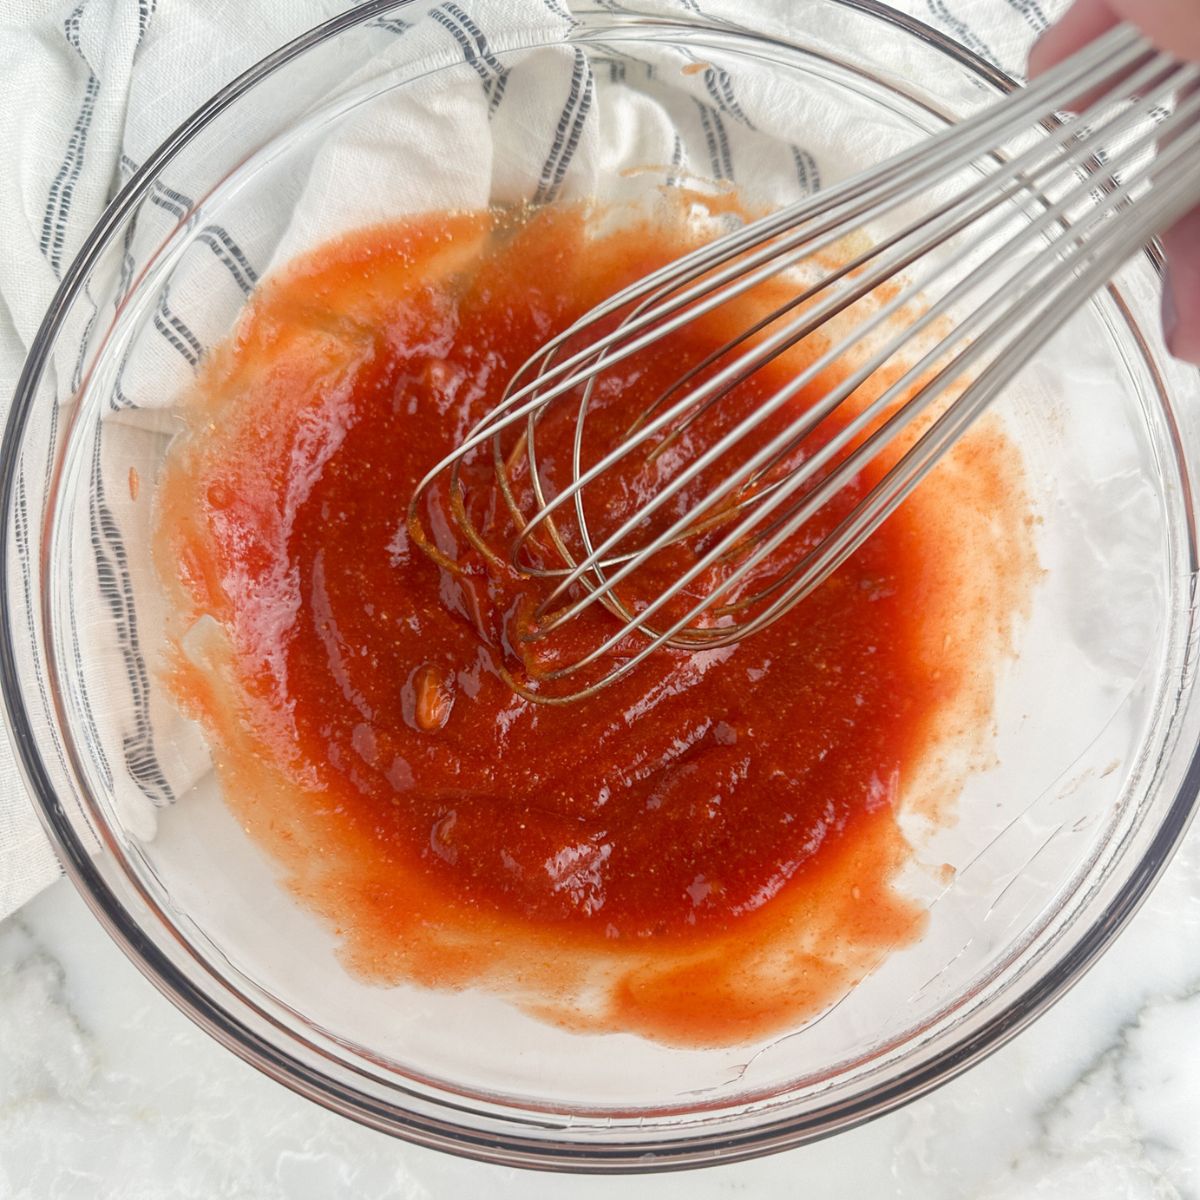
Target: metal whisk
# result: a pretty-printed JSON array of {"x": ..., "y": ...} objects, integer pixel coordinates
[{"x": 1041, "y": 212}]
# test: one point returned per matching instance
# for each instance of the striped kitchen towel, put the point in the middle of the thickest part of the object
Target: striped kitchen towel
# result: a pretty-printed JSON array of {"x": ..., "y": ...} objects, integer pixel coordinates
[{"x": 91, "y": 87}]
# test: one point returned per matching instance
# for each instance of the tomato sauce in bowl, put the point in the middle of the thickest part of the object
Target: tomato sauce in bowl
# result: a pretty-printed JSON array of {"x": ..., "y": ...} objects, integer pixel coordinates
[{"x": 704, "y": 852}]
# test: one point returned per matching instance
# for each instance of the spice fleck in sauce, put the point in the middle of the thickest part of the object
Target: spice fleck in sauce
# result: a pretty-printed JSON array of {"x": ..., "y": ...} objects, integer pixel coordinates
[{"x": 704, "y": 852}]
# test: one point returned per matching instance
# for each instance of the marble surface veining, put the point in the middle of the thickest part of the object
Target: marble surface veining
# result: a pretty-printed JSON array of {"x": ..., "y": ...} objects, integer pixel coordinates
[{"x": 107, "y": 1092}]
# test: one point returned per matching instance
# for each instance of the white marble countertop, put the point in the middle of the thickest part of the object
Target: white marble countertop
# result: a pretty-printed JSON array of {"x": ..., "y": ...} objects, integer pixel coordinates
[{"x": 107, "y": 1091}]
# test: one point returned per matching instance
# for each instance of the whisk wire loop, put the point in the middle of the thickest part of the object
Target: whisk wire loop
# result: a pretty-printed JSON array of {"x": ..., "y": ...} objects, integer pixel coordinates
[
  {"x": 1014, "y": 240},
  {"x": 811, "y": 416}
]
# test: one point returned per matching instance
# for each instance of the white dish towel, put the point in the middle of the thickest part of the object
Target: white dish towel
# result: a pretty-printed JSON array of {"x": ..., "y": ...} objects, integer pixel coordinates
[{"x": 86, "y": 82}]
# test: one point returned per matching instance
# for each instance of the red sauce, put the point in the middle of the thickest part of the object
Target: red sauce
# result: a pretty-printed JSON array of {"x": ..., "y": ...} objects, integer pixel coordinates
[{"x": 703, "y": 852}]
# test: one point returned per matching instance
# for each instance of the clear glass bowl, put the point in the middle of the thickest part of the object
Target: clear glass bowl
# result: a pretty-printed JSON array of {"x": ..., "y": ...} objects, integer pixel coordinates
[{"x": 1095, "y": 772}]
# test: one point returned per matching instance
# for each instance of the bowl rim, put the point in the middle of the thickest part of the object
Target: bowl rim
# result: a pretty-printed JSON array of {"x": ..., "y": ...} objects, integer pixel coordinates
[{"x": 707, "y": 1146}]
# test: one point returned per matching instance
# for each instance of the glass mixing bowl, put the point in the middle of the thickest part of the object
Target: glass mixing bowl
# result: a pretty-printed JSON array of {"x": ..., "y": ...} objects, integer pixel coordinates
[{"x": 1095, "y": 768}]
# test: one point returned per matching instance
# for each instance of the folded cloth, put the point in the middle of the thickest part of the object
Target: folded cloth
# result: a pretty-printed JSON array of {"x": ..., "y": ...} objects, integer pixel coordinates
[{"x": 91, "y": 88}]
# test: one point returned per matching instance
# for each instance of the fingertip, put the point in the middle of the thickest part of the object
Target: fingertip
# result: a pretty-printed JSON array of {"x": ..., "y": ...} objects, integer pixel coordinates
[
  {"x": 1039, "y": 59},
  {"x": 1181, "y": 289},
  {"x": 1045, "y": 52},
  {"x": 1083, "y": 22},
  {"x": 1181, "y": 331},
  {"x": 1050, "y": 48},
  {"x": 1185, "y": 347}
]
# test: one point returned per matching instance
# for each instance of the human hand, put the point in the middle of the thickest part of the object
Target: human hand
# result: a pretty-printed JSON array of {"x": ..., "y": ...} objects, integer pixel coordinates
[{"x": 1174, "y": 26}]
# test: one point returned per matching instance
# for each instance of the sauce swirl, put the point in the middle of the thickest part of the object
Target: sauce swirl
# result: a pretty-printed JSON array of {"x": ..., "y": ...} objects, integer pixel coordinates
[{"x": 702, "y": 853}]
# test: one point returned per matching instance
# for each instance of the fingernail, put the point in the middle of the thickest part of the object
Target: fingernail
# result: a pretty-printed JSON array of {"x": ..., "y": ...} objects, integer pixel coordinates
[{"x": 1170, "y": 318}]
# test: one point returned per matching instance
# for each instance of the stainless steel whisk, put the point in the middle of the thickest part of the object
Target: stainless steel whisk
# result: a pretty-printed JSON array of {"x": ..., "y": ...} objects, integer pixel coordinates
[{"x": 1041, "y": 227}]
